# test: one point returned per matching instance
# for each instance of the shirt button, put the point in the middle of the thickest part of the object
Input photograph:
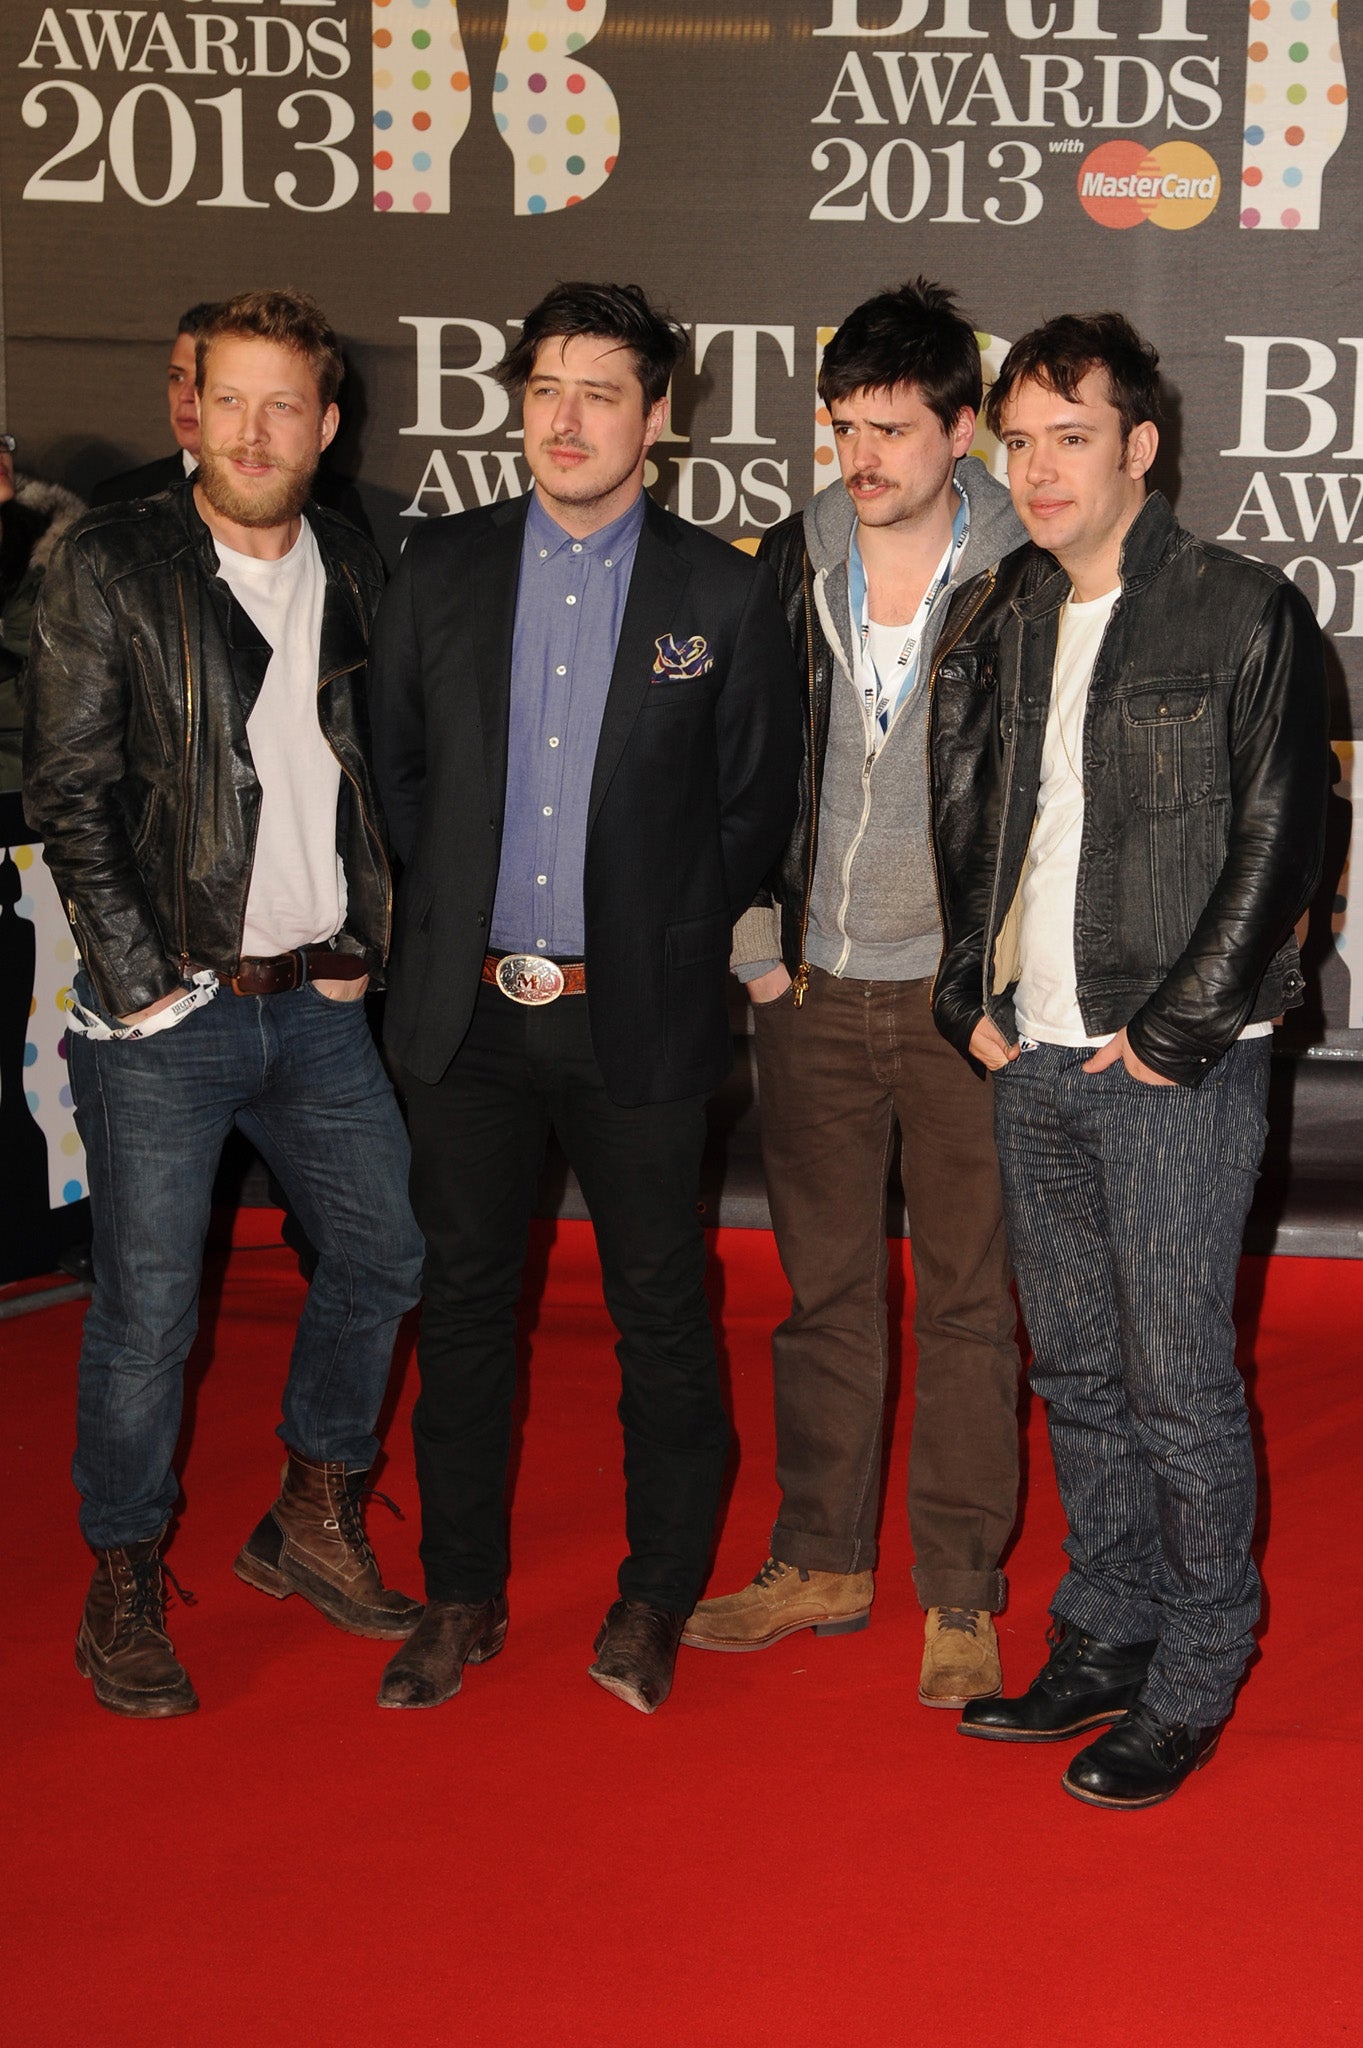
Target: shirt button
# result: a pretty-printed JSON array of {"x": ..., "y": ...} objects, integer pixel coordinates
[
  {"x": 544, "y": 554},
  {"x": 609, "y": 564},
  {"x": 577, "y": 547},
  {"x": 560, "y": 670},
  {"x": 553, "y": 743},
  {"x": 570, "y": 600},
  {"x": 541, "y": 943},
  {"x": 548, "y": 810},
  {"x": 541, "y": 879}
]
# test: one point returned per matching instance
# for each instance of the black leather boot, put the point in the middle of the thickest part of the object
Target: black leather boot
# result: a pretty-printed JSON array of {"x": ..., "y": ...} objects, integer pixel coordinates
[
  {"x": 1141, "y": 1761},
  {"x": 1082, "y": 1684}
]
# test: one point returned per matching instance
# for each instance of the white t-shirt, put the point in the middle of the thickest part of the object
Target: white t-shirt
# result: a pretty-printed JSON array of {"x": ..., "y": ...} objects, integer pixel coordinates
[
  {"x": 297, "y": 895},
  {"x": 1046, "y": 1000}
]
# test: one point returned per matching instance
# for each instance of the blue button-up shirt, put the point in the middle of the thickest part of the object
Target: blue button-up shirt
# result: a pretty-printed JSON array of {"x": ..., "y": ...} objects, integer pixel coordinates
[{"x": 569, "y": 607}]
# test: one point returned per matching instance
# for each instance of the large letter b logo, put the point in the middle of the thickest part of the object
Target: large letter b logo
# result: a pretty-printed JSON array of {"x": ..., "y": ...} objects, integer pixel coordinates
[{"x": 558, "y": 118}]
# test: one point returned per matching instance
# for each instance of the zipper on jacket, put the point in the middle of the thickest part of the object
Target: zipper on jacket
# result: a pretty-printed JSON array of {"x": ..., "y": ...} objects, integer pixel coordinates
[
  {"x": 939, "y": 654},
  {"x": 185, "y": 777},
  {"x": 800, "y": 985},
  {"x": 375, "y": 838}
]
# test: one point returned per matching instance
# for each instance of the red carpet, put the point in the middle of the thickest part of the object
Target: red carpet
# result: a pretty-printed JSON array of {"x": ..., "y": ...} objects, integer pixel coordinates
[{"x": 792, "y": 1852}]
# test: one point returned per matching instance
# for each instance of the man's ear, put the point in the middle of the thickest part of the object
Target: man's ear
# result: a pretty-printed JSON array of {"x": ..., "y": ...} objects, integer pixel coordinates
[
  {"x": 331, "y": 419},
  {"x": 654, "y": 421},
  {"x": 1141, "y": 446}
]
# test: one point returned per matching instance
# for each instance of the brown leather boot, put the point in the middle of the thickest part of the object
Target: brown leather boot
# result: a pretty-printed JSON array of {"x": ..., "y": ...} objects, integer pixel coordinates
[
  {"x": 312, "y": 1542},
  {"x": 429, "y": 1668},
  {"x": 122, "y": 1646}
]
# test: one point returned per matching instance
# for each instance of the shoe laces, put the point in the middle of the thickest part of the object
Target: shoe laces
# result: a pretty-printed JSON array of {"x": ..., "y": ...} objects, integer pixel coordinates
[
  {"x": 143, "y": 1601},
  {"x": 773, "y": 1570},
  {"x": 964, "y": 1620},
  {"x": 350, "y": 1517}
]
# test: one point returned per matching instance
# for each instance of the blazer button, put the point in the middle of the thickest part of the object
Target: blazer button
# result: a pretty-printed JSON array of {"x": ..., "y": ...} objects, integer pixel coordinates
[{"x": 481, "y": 918}]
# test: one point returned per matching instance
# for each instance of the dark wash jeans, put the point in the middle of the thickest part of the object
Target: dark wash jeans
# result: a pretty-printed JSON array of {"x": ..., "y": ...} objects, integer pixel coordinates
[
  {"x": 1126, "y": 1206},
  {"x": 858, "y": 1062},
  {"x": 300, "y": 1075},
  {"x": 478, "y": 1141}
]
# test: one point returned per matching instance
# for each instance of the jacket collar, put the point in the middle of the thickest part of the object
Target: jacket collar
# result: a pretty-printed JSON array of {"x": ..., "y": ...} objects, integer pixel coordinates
[{"x": 1153, "y": 538}]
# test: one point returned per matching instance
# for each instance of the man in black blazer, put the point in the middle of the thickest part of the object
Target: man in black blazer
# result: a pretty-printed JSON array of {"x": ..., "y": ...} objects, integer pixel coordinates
[{"x": 586, "y": 731}]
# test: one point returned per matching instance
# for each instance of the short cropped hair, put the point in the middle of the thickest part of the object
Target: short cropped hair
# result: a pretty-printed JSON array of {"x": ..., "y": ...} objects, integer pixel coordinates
[
  {"x": 1060, "y": 355},
  {"x": 608, "y": 312},
  {"x": 916, "y": 335},
  {"x": 196, "y": 318},
  {"x": 293, "y": 320}
]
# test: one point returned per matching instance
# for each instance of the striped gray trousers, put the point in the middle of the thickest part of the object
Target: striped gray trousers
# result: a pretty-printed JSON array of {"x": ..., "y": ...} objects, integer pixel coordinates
[{"x": 1125, "y": 1207}]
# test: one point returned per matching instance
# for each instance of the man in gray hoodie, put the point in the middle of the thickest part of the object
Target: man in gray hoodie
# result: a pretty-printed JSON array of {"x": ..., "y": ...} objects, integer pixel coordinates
[{"x": 839, "y": 967}]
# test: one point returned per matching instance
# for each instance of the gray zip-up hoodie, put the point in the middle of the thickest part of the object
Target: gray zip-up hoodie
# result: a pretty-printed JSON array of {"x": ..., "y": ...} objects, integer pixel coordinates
[{"x": 873, "y": 913}]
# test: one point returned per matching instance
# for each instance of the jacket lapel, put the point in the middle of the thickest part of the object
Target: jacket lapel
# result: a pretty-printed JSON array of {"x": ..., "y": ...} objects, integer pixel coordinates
[
  {"x": 655, "y": 589},
  {"x": 494, "y": 626}
]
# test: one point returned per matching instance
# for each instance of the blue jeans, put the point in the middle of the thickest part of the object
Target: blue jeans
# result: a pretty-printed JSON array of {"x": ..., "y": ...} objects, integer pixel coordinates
[
  {"x": 300, "y": 1075},
  {"x": 1125, "y": 1207}
]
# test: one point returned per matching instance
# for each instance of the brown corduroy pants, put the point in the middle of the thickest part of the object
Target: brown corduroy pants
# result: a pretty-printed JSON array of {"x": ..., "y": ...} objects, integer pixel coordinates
[{"x": 839, "y": 1077}]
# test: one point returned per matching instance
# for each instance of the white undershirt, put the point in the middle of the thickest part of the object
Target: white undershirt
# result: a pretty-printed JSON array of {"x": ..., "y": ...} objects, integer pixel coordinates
[
  {"x": 297, "y": 895},
  {"x": 1046, "y": 1000}
]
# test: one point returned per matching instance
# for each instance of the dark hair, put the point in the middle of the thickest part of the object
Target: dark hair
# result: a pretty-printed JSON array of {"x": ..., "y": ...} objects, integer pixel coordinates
[
  {"x": 610, "y": 312},
  {"x": 914, "y": 336},
  {"x": 197, "y": 318},
  {"x": 294, "y": 320},
  {"x": 1062, "y": 352}
]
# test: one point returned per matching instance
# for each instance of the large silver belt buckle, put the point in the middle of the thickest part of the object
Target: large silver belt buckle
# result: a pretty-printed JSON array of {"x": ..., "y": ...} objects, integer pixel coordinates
[{"x": 527, "y": 978}]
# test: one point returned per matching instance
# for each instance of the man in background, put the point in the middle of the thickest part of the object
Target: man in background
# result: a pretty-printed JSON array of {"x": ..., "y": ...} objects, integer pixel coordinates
[{"x": 182, "y": 404}]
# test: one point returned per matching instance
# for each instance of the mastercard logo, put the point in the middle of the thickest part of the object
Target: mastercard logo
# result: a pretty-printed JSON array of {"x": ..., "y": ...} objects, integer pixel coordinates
[{"x": 1176, "y": 184}]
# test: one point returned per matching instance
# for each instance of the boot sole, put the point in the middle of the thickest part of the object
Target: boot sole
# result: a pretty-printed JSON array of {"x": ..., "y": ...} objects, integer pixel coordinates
[
  {"x": 267, "y": 1578},
  {"x": 842, "y": 1625},
  {"x": 137, "y": 1706},
  {"x": 958, "y": 1700},
  {"x": 622, "y": 1690},
  {"x": 481, "y": 1655},
  {"x": 1103, "y": 1720}
]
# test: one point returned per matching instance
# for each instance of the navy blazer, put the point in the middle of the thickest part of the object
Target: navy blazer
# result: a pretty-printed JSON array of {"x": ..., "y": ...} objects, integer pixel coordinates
[{"x": 693, "y": 791}]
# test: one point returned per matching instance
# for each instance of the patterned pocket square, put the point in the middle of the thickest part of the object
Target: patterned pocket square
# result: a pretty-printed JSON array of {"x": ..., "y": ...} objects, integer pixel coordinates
[{"x": 681, "y": 661}]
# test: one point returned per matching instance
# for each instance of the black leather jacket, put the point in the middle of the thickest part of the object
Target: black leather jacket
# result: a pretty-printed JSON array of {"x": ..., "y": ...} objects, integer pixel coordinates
[
  {"x": 1205, "y": 781},
  {"x": 137, "y": 770}
]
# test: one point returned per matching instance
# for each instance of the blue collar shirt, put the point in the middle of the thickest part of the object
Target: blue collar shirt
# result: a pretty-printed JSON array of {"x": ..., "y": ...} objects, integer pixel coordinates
[{"x": 570, "y": 603}]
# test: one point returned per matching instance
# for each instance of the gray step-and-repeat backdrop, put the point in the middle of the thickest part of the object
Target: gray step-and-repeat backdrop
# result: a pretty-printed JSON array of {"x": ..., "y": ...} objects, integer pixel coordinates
[{"x": 428, "y": 167}]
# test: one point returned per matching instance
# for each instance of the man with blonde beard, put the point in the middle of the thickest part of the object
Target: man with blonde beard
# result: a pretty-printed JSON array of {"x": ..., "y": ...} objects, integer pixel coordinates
[{"x": 197, "y": 760}]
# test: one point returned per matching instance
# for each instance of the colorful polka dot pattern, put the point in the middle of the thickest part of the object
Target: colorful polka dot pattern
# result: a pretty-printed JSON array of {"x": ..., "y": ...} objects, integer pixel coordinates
[
  {"x": 1296, "y": 111},
  {"x": 421, "y": 102},
  {"x": 46, "y": 1087},
  {"x": 558, "y": 118},
  {"x": 825, "y": 448}
]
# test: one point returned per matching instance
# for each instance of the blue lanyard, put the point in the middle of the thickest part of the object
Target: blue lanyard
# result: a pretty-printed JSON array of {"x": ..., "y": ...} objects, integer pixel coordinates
[{"x": 882, "y": 705}]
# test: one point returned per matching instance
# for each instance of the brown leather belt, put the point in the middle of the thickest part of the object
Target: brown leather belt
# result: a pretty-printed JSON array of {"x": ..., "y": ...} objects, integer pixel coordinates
[
  {"x": 530, "y": 979},
  {"x": 275, "y": 975}
]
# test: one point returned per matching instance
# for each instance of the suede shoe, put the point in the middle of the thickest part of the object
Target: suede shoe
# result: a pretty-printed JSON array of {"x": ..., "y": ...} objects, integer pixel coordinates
[
  {"x": 122, "y": 1646},
  {"x": 960, "y": 1657},
  {"x": 780, "y": 1600},
  {"x": 429, "y": 1668},
  {"x": 1141, "y": 1761},
  {"x": 313, "y": 1542},
  {"x": 1082, "y": 1684},
  {"x": 636, "y": 1653}
]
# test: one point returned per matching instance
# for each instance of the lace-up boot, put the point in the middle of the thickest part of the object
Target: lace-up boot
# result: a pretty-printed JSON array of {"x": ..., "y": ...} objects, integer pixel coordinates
[
  {"x": 1141, "y": 1761},
  {"x": 636, "y": 1653},
  {"x": 1082, "y": 1684},
  {"x": 313, "y": 1542},
  {"x": 960, "y": 1657},
  {"x": 122, "y": 1646},
  {"x": 781, "y": 1599}
]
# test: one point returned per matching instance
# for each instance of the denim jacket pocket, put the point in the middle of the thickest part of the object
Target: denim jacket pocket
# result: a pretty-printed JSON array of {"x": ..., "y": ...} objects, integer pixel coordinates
[{"x": 1168, "y": 744}]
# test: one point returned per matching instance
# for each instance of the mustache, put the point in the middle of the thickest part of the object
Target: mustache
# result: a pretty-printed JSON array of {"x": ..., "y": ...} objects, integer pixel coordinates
[
  {"x": 241, "y": 453},
  {"x": 573, "y": 441},
  {"x": 869, "y": 479}
]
